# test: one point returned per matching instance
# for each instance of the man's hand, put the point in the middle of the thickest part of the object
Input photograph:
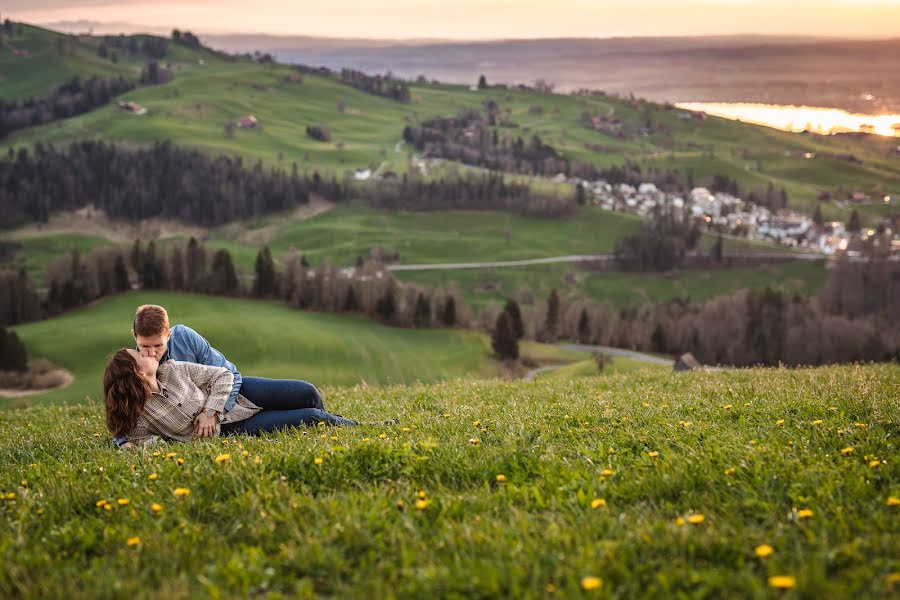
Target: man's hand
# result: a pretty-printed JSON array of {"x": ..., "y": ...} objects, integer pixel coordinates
[{"x": 205, "y": 426}]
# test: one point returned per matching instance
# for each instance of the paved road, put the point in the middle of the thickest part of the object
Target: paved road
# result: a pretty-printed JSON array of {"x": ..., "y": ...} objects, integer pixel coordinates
[{"x": 574, "y": 258}]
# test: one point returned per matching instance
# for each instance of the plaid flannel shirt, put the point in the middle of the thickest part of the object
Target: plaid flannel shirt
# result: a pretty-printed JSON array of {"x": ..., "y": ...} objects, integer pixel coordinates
[{"x": 186, "y": 389}]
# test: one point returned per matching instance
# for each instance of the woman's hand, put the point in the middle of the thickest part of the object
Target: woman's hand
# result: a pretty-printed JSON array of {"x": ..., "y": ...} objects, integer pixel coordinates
[{"x": 205, "y": 426}]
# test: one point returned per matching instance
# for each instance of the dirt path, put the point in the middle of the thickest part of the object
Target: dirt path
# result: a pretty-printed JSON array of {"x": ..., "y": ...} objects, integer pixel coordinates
[{"x": 69, "y": 379}]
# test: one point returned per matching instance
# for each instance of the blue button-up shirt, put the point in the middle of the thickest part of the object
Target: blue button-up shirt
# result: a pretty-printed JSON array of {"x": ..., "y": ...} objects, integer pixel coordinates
[{"x": 187, "y": 345}]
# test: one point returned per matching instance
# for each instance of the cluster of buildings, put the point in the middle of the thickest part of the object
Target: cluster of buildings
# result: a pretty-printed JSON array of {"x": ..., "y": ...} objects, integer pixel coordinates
[{"x": 731, "y": 215}]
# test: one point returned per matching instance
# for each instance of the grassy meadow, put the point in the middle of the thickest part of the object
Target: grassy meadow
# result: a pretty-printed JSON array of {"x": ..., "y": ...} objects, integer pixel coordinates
[
  {"x": 265, "y": 339},
  {"x": 738, "y": 484}
]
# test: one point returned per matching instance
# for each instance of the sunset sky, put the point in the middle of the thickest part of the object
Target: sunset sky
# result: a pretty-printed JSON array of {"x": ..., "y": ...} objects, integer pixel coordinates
[{"x": 482, "y": 19}]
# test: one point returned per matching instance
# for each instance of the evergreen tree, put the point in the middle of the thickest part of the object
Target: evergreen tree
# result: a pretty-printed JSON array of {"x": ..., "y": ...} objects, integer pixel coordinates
[
  {"x": 817, "y": 216},
  {"x": 515, "y": 315},
  {"x": 422, "y": 314},
  {"x": 552, "y": 320},
  {"x": 223, "y": 277},
  {"x": 13, "y": 356},
  {"x": 176, "y": 270},
  {"x": 580, "y": 195},
  {"x": 482, "y": 82},
  {"x": 120, "y": 274},
  {"x": 584, "y": 327},
  {"x": 350, "y": 302},
  {"x": 658, "y": 339},
  {"x": 854, "y": 224},
  {"x": 264, "y": 286},
  {"x": 504, "y": 341},
  {"x": 196, "y": 266},
  {"x": 385, "y": 306},
  {"x": 449, "y": 316},
  {"x": 717, "y": 252}
]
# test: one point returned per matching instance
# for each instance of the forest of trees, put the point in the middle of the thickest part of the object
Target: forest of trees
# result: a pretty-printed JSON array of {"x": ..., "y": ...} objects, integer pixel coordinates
[
  {"x": 487, "y": 191},
  {"x": 854, "y": 318},
  {"x": 186, "y": 38},
  {"x": 159, "y": 181},
  {"x": 369, "y": 289},
  {"x": 380, "y": 85},
  {"x": 661, "y": 244},
  {"x": 75, "y": 97}
]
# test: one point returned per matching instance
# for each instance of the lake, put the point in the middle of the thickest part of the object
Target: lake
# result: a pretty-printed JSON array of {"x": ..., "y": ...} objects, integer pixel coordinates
[{"x": 800, "y": 118}]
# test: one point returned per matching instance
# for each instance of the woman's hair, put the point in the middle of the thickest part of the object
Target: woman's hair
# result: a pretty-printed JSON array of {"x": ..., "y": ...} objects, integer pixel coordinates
[
  {"x": 125, "y": 391},
  {"x": 150, "y": 320}
]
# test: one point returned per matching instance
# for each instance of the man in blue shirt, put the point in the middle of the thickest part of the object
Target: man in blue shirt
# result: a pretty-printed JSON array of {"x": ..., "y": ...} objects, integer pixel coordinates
[{"x": 154, "y": 337}]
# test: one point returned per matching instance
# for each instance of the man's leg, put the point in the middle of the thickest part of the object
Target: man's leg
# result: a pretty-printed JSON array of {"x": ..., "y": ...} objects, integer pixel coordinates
[
  {"x": 272, "y": 420},
  {"x": 281, "y": 394}
]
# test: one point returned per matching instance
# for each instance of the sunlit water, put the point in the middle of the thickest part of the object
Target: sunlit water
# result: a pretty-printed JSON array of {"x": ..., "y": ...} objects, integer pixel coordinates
[{"x": 800, "y": 118}]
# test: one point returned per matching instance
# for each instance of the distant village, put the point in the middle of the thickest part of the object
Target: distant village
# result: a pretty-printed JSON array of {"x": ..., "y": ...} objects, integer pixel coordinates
[{"x": 733, "y": 216}]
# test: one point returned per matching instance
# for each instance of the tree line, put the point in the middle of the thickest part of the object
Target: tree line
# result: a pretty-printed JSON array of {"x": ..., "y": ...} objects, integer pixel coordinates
[
  {"x": 380, "y": 85},
  {"x": 76, "y": 96},
  {"x": 158, "y": 181},
  {"x": 854, "y": 318},
  {"x": 367, "y": 288}
]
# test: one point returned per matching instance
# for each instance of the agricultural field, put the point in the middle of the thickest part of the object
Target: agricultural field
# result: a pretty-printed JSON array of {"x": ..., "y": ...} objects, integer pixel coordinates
[
  {"x": 266, "y": 339},
  {"x": 752, "y": 483}
]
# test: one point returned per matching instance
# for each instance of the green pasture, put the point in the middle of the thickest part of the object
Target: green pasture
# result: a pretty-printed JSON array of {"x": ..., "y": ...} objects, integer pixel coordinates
[
  {"x": 651, "y": 484},
  {"x": 264, "y": 339}
]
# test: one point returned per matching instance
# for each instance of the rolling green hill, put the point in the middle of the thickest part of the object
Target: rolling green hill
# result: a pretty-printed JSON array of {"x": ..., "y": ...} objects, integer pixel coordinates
[
  {"x": 193, "y": 109},
  {"x": 754, "y": 484},
  {"x": 267, "y": 340}
]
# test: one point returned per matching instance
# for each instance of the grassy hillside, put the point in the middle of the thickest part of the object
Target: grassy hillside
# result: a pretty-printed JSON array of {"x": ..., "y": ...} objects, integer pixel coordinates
[
  {"x": 193, "y": 109},
  {"x": 55, "y": 58},
  {"x": 263, "y": 339},
  {"x": 660, "y": 485}
]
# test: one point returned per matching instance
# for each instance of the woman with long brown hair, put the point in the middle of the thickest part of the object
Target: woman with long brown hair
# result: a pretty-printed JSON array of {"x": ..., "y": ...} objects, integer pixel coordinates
[{"x": 147, "y": 400}]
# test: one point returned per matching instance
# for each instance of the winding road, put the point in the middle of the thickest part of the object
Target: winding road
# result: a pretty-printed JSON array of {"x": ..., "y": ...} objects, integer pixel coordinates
[{"x": 609, "y": 350}]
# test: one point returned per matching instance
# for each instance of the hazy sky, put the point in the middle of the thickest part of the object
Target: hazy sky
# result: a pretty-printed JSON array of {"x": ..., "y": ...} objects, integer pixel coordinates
[{"x": 480, "y": 19}]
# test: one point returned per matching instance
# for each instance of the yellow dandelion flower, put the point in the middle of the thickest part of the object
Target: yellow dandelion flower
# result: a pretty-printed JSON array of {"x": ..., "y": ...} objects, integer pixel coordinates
[
  {"x": 685, "y": 424},
  {"x": 223, "y": 458},
  {"x": 679, "y": 521},
  {"x": 474, "y": 441},
  {"x": 422, "y": 504},
  {"x": 123, "y": 501},
  {"x": 783, "y": 582},
  {"x": 133, "y": 541},
  {"x": 171, "y": 455},
  {"x": 153, "y": 477},
  {"x": 421, "y": 494},
  {"x": 597, "y": 503},
  {"x": 107, "y": 507},
  {"x": 501, "y": 478},
  {"x": 156, "y": 508},
  {"x": 861, "y": 425},
  {"x": 405, "y": 429},
  {"x": 874, "y": 463},
  {"x": 779, "y": 422},
  {"x": 256, "y": 460},
  {"x": 730, "y": 470},
  {"x": 157, "y": 453},
  {"x": 607, "y": 473},
  {"x": 224, "y": 442},
  {"x": 382, "y": 436},
  {"x": 653, "y": 454},
  {"x": 817, "y": 422},
  {"x": 727, "y": 407},
  {"x": 550, "y": 588},
  {"x": 446, "y": 414},
  {"x": 181, "y": 492},
  {"x": 893, "y": 579},
  {"x": 696, "y": 519},
  {"x": 763, "y": 550},
  {"x": 335, "y": 438},
  {"x": 245, "y": 453},
  {"x": 893, "y": 501},
  {"x": 477, "y": 422},
  {"x": 11, "y": 496},
  {"x": 318, "y": 460},
  {"x": 100, "y": 502},
  {"x": 179, "y": 460},
  {"x": 40, "y": 511},
  {"x": 24, "y": 483},
  {"x": 366, "y": 440},
  {"x": 847, "y": 451},
  {"x": 591, "y": 583},
  {"x": 804, "y": 513}
]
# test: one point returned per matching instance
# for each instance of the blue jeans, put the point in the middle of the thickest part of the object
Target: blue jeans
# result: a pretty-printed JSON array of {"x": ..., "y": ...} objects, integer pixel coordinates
[
  {"x": 272, "y": 420},
  {"x": 281, "y": 394}
]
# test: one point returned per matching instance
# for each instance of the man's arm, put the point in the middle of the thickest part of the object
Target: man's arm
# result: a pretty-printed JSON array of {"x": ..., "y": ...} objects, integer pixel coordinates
[{"x": 203, "y": 353}]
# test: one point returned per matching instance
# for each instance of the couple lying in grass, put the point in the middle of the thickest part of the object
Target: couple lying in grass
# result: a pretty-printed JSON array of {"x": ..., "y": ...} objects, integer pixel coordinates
[{"x": 176, "y": 386}]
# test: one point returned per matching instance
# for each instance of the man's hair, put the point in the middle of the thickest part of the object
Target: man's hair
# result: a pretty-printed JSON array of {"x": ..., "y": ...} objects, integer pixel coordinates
[{"x": 150, "y": 320}]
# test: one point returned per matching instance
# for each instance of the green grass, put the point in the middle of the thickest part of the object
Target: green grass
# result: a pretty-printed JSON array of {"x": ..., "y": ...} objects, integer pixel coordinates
[
  {"x": 274, "y": 524},
  {"x": 263, "y": 339},
  {"x": 533, "y": 284},
  {"x": 588, "y": 368},
  {"x": 36, "y": 253}
]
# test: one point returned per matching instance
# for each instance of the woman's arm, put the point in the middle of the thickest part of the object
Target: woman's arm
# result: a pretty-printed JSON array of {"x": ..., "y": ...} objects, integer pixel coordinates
[{"x": 216, "y": 381}]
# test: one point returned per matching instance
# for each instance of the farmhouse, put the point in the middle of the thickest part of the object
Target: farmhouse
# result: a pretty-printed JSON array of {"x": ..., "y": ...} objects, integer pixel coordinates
[
  {"x": 131, "y": 107},
  {"x": 247, "y": 122}
]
